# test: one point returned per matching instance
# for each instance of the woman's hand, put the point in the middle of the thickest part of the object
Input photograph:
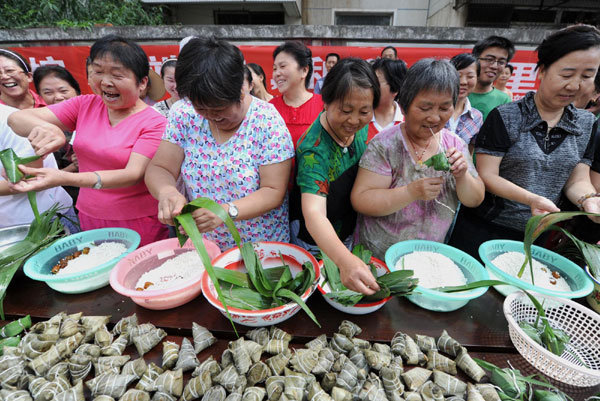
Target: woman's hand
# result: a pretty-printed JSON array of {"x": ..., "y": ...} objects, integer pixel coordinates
[
  {"x": 356, "y": 275},
  {"x": 540, "y": 205},
  {"x": 43, "y": 178},
  {"x": 46, "y": 139},
  {"x": 458, "y": 163},
  {"x": 75, "y": 161},
  {"x": 170, "y": 203},
  {"x": 426, "y": 188},
  {"x": 592, "y": 205},
  {"x": 206, "y": 220}
]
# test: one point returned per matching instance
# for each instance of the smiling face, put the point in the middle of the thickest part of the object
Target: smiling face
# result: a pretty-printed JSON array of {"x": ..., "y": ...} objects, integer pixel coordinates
[
  {"x": 490, "y": 70},
  {"x": 504, "y": 76},
  {"x": 115, "y": 83},
  {"x": 170, "y": 84},
  {"x": 346, "y": 117},
  {"x": 287, "y": 73},
  {"x": 468, "y": 80},
  {"x": 568, "y": 77},
  {"x": 227, "y": 117},
  {"x": 14, "y": 81},
  {"x": 429, "y": 111},
  {"x": 54, "y": 90}
]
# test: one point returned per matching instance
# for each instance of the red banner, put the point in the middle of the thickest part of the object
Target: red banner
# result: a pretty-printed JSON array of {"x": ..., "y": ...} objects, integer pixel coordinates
[{"x": 73, "y": 58}]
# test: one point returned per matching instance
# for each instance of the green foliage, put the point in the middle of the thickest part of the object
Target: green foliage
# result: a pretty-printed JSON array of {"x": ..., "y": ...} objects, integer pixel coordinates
[{"x": 77, "y": 13}]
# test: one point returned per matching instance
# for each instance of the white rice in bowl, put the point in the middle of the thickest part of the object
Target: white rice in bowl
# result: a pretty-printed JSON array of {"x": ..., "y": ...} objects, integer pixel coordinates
[
  {"x": 98, "y": 255},
  {"x": 180, "y": 269},
  {"x": 432, "y": 269},
  {"x": 543, "y": 276}
]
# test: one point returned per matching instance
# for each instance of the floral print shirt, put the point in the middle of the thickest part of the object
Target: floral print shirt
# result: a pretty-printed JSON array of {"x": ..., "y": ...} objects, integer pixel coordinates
[{"x": 230, "y": 171}]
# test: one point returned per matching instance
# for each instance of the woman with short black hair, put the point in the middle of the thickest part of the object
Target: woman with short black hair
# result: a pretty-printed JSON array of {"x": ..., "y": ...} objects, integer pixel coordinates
[
  {"x": 15, "y": 77},
  {"x": 532, "y": 150},
  {"x": 390, "y": 74},
  {"x": 227, "y": 145},
  {"x": 55, "y": 83},
  {"x": 259, "y": 80},
  {"x": 117, "y": 135},
  {"x": 167, "y": 73},
  {"x": 327, "y": 157},
  {"x": 292, "y": 72}
]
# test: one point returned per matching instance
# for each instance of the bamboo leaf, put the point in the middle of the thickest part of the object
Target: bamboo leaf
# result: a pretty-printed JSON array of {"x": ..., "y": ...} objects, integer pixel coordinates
[
  {"x": 439, "y": 162},
  {"x": 333, "y": 274},
  {"x": 294, "y": 297},
  {"x": 15, "y": 327},
  {"x": 232, "y": 276},
  {"x": 10, "y": 161}
]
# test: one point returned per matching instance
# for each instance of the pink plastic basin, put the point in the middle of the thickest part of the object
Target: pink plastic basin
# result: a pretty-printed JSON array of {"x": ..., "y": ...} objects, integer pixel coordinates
[{"x": 127, "y": 272}]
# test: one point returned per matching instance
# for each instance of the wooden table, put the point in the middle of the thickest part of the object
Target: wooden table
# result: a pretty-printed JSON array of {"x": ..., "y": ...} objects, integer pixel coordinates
[{"x": 480, "y": 325}]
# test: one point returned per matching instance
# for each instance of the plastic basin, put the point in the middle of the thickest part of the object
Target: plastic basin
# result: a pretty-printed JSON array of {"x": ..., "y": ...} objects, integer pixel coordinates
[
  {"x": 38, "y": 266},
  {"x": 431, "y": 299},
  {"x": 127, "y": 272},
  {"x": 269, "y": 254},
  {"x": 360, "y": 308},
  {"x": 581, "y": 285}
]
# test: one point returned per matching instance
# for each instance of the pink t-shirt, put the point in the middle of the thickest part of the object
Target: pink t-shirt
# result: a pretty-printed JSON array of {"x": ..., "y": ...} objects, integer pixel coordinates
[{"x": 99, "y": 146}]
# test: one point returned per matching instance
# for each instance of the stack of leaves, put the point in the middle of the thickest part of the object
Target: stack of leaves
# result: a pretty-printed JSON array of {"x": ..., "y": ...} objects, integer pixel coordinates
[
  {"x": 9, "y": 334},
  {"x": 398, "y": 283},
  {"x": 258, "y": 289},
  {"x": 44, "y": 229},
  {"x": 514, "y": 386}
]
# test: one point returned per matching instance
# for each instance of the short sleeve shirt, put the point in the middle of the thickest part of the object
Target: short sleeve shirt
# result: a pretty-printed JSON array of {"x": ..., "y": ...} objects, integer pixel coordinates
[
  {"x": 101, "y": 146},
  {"x": 230, "y": 171},
  {"x": 298, "y": 119},
  {"x": 388, "y": 154},
  {"x": 486, "y": 102},
  {"x": 533, "y": 157}
]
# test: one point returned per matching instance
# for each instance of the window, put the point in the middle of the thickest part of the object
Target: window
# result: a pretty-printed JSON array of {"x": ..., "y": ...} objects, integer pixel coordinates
[
  {"x": 249, "y": 17},
  {"x": 346, "y": 18}
]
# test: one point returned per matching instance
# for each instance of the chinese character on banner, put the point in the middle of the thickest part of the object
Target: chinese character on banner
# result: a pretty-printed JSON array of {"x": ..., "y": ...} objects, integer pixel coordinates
[
  {"x": 318, "y": 69},
  {"x": 523, "y": 79},
  {"x": 48, "y": 61}
]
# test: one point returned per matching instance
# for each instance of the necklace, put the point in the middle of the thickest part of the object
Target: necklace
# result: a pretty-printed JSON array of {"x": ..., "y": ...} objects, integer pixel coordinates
[
  {"x": 419, "y": 156},
  {"x": 345, "y": 142}
]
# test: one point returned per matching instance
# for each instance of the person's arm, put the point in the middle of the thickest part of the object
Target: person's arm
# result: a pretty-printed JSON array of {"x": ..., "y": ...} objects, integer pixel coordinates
[
  {"x": 488, "y": 167},
  {"x": 273, "y": 179},
  {"x": 354, "y": 273},
  {"x": 595, "y": 177},
  {"x": 41, "y": 126},
  {"x": 578, "y": 186},
  {"x": 44, "y": 178},
  {"x": 470, "y": 189},
  {"x": 372, "y": 195},
  {"x": 160, "y": 178}
]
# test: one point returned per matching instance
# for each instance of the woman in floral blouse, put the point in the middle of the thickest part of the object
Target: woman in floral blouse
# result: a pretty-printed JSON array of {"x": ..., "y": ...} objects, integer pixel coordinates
[{"x": 227, "y": 145}]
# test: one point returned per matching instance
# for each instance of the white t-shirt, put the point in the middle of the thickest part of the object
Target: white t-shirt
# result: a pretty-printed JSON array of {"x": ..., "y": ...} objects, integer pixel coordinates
[{"x": 15, "y": 209}]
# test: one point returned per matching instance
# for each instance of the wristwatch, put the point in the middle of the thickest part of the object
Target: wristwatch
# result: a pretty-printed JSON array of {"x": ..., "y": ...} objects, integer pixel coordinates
[
  {"x": 98, "y": 184},
  {"x": 232, "y": 211}
]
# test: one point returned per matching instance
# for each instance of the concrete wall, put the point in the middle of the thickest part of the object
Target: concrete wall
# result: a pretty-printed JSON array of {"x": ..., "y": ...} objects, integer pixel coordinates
[{"x": 317, "y": 35}]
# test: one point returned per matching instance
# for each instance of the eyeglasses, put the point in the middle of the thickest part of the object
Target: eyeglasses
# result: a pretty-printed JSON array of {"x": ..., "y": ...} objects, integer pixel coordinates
[{"x": 493, "y": 60}]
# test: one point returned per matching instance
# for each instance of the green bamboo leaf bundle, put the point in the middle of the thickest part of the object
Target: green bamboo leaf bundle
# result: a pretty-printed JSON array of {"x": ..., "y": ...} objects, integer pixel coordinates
[
  {"x": 398, "y": 283},
  {"x": 16, "y": 327},
  {"x": 257, "y": 289},
  {"x": 11, "y": 162},
  {"x": 439, "y": 162}
]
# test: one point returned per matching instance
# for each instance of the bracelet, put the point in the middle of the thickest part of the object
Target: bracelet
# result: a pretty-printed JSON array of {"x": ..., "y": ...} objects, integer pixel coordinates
[{"x": 586, "y": 197}]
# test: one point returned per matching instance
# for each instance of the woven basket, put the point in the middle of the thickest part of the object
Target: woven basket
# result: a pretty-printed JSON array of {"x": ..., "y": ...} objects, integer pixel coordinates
[{"x": 579, "y": 322}]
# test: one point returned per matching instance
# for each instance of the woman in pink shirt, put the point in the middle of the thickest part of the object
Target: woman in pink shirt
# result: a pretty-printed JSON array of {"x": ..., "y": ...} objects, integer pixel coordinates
[
  {"x": 15, "y": 77},
  {"x": 117, "y": 135}
]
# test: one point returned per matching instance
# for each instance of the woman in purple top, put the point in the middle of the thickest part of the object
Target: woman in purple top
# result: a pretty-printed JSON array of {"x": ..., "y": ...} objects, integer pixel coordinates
[{"x": 397, "y": 195}]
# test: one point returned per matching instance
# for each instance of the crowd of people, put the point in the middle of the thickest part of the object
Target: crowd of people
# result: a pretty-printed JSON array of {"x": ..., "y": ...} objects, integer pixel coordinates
[{"x": 324, "y": 169}]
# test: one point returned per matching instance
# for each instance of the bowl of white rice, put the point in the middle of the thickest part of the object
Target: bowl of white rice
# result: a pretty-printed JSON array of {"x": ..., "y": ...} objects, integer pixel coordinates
[
  {"x": 163, "y": 274},
  {"x": 553, "y": 274},
  {"x": 91, "y": 256},
  {"x": 437, "y": 265}
]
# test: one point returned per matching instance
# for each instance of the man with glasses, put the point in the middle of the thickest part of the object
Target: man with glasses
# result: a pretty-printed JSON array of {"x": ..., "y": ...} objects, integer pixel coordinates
[{"x": 492, "y": 54}]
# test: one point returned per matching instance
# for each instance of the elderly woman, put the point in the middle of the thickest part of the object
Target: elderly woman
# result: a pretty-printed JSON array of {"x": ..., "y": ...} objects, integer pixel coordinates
[
  {"x": 465, "y": 121},
  {"x": 328, "y": 155},
  {"x": 15, "y": 77},
  {"x": 229, "y": 146},
  {"x": 117, "y": 135},
  {"x": 397, "y": 196},
  {"x": 530, "y": 151},
  {"x": 292, "y": 70}
]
